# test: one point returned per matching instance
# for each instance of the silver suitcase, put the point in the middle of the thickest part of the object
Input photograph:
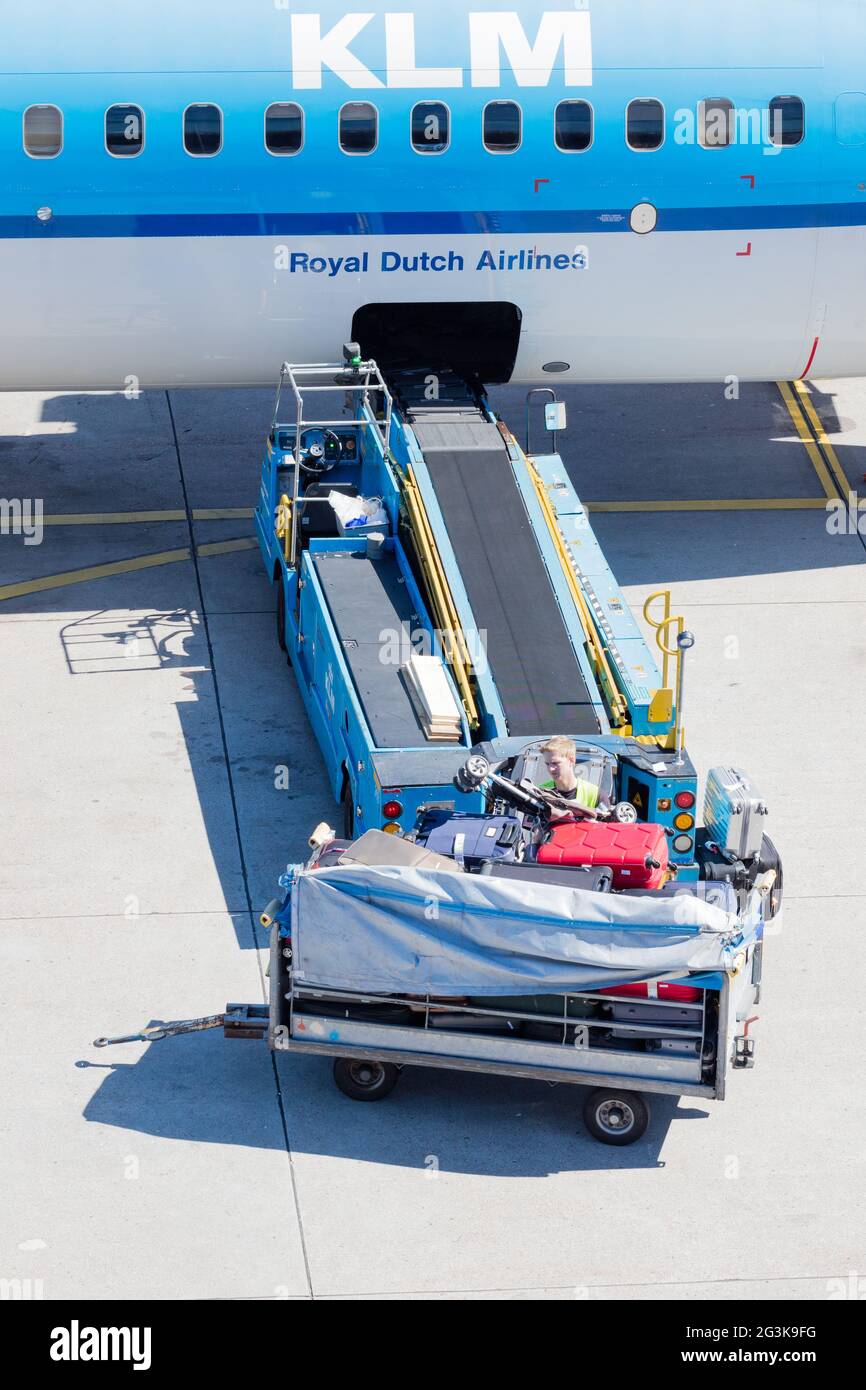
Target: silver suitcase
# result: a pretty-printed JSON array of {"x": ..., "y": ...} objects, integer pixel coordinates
[{"x": 734, "y": 814}]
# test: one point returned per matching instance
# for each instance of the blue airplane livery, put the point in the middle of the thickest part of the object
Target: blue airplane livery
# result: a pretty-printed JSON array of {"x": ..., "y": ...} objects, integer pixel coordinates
[{"x": 594, "y": 191}]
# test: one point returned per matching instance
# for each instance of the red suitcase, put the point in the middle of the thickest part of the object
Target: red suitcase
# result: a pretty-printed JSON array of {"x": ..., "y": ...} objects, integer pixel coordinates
[
  {"x": 661, "y": 989},
  {"x": 638, "y": 854}
]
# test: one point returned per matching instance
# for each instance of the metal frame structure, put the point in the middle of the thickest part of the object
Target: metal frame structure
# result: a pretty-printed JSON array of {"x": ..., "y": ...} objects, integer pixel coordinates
[
  {"x": 341, "y": 375},
  {"x": 576, "y": 1064}
]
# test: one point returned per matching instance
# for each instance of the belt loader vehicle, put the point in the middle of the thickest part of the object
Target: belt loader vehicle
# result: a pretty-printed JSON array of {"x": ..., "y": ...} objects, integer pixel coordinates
[{"x": 469, "y": 917}]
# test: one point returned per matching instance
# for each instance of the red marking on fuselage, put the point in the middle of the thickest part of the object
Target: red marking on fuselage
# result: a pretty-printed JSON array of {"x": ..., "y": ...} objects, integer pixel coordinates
[
  {"x": 538, "y": 182},
  {"x": 749, "y": 178},
  {"x": 808, "y": 365},
  {"x": 747, "y": 252}
]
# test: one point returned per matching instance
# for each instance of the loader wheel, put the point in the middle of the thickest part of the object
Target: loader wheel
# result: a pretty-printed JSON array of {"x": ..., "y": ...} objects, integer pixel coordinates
[
  {"x": 362, "y": 1080},
  {"x": 616, "y": 1117},
  {"x": 281, "y": 615}
]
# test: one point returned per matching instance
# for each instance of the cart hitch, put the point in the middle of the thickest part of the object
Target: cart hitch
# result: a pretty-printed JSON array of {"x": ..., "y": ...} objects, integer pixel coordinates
[
  {"x": 238, "y": 1021},
  {"x": 744, "y": 1047}
]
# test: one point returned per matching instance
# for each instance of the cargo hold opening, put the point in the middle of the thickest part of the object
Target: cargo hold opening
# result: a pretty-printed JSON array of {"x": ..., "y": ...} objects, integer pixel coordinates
[{"x": 476, "y": 339}]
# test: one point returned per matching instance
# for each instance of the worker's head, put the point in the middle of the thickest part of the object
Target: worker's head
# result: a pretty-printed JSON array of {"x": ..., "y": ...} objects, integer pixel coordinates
[{"x": 560, "y": 754}]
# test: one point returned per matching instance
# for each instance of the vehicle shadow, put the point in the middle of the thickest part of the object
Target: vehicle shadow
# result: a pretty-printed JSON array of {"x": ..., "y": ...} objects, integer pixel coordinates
[{"x": 203, "y": 1089}]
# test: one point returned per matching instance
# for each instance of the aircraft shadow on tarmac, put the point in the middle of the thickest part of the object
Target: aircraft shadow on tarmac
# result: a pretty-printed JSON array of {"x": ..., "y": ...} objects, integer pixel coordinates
[
  {"x": 203, "y": 1089},
  {"x": 689, "y": 443}
]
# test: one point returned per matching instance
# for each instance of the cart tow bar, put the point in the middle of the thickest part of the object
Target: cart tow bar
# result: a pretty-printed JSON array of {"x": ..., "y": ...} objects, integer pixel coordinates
[{"x": 238, "y": 1021}]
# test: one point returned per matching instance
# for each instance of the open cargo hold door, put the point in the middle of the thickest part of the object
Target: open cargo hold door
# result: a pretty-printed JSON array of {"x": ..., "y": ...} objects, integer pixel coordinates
[{"x": 474, "y": 339}]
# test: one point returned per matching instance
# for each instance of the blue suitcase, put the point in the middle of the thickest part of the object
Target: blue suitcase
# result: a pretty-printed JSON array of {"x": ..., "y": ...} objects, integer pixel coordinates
[{"x": 472, "y": 840}]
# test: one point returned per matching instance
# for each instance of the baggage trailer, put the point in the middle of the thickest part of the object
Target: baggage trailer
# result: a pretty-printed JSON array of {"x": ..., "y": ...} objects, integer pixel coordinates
[
  {"x": 620, "y": 1046},
  {"x": 473, "y": 973},
  {"x": 650, "y": 1056},
  {"x": 387, "y": 953}
]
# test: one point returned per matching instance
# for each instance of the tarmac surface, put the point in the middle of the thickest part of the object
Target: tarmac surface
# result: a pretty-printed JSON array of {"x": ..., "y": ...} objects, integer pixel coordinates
[{"x": 149, "y": 724}]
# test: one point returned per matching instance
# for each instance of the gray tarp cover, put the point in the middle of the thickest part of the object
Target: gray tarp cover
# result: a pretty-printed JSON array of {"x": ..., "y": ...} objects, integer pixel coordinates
[{"x": 387, "y": 930}]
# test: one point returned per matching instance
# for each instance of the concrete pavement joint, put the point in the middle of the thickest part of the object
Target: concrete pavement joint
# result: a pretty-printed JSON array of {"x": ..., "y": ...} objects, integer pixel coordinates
[
  {"x": 565, "y": 1288},
  {"x": 238, "y": 835}
]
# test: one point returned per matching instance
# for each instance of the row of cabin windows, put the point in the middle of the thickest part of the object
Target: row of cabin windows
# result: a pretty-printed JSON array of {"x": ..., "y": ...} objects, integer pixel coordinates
[{"x": 429, "y": 126}]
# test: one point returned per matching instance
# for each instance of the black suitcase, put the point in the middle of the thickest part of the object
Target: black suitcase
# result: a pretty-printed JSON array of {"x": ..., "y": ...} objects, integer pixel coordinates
[
  {"x": 715, "y": 866},
  {"x": 591, "y": 878}
]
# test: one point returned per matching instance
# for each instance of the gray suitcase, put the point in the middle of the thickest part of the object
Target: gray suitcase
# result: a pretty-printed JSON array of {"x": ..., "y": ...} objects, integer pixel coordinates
[
  {"x": 656, "y": 1016},
  {"x": 734, "y": 814}
]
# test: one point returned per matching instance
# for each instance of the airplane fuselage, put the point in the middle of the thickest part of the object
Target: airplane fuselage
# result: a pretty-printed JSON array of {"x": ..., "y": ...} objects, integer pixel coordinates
[{"x": 568, "y": 180}]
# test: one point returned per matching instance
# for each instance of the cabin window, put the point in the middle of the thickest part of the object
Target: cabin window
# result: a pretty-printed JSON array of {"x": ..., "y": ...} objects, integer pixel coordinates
[
  {"x": 359, "y": 127},
  {"x": 645, "y": 124},
  {"x": 284, "y": 128},
  {"x": 572, "y": 121},
  {"x": 430, "y": 127},
  {"x": 124, "y": 131},
  {"x": 202, "y": 129},
  {"x": 43, "y": 131},
  {"x": 502, "y": 122},
  {"x": 787, "y": 120},
  {"x": 716, "y": 123}
]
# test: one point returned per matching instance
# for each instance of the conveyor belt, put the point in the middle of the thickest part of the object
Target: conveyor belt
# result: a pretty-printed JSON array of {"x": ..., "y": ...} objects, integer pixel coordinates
[
  {"x": 538, "y": 678},
  {"x": 366, "y": 598}
]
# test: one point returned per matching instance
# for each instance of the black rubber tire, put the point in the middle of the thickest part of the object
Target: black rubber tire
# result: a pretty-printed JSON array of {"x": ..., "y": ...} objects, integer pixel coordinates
[
  {"x": 281, "y": 614},
  {"x": 616, "y": 1117},
  {"x": 769, "y": 858},
  {"x": 362, "y": 1080}
]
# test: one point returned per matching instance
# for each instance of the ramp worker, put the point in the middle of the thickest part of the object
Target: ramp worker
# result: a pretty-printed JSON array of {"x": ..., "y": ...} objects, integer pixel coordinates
[{"x": 560, "y": 754}]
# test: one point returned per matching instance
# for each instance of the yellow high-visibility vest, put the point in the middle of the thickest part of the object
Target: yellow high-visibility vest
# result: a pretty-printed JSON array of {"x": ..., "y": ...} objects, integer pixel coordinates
[{"x": 586, "y": 793}]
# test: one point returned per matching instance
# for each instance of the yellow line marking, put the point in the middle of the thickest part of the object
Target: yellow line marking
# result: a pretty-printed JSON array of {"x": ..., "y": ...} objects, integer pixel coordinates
[
  {"x": 108, "y": 518},
  {"x": 225, "y": 547},
  {"x": 132, "y": 518},
  {"x": 58, "y": 581},
  {"x": 807, "y": 439},
  {"x": 725, "y": 504},
  {"x": 821, "y": 435},
  {"x": 139, "y": 562},
  {"x": 221, "y": 513}
]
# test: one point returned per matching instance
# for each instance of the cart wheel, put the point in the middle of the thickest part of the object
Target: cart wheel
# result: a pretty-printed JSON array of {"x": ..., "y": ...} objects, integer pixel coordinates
[
  {"x": 616, "y": 1117},
  {"x": 363, "y": 1080},
  {"x": 281, "y": 615}
]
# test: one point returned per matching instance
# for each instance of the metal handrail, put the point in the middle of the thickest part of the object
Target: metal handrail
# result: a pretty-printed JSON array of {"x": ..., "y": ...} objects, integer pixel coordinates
[
  {"x": 684, "y": 641},
  {"x": 617, "y": 703},
  {"x": 538, "y": 391},
  {"x": 445, "y": 613},
  {"x": 661, "y": 626},
  {"x": 367, "y": 378}
]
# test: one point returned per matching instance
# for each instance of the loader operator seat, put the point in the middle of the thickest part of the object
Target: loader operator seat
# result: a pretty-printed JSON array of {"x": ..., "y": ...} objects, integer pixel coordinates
[{"x": 593, "y": 765}]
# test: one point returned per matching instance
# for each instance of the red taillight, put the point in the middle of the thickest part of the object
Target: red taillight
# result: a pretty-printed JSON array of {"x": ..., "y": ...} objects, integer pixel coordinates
[
  {"x": 392, "y": 809},
  {"x": 685, "y": 800}
]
